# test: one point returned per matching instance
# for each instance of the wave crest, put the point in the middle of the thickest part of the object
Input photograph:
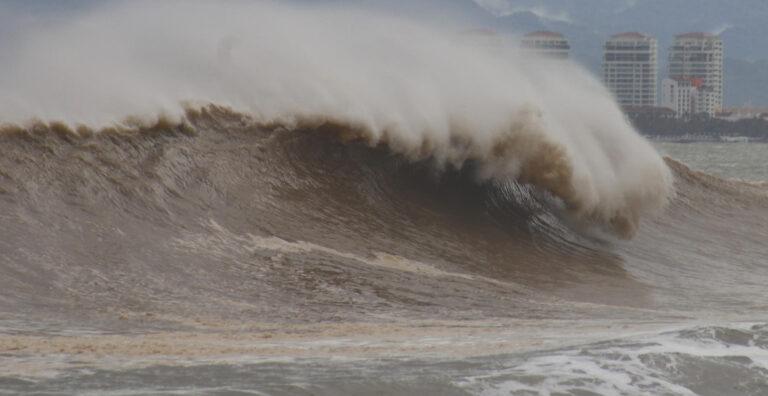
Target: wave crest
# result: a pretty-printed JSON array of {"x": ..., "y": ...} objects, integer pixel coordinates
[
  {"x": 520, "y": 153},
  {"x": 423, "y": 91}
]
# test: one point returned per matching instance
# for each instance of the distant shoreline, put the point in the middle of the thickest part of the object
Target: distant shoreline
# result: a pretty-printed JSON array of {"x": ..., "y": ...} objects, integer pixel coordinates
[
  {"x": 688, "y": 138},
  {"x": 701, "y": 129}
]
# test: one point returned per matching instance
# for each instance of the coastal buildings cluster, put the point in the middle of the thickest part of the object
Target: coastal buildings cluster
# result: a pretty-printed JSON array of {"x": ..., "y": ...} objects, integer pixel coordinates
[{"x": 694, "y": 85}]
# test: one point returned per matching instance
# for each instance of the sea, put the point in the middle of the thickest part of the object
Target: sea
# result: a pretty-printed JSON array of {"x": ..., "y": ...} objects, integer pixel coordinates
[
  {"x": 225, "y": 259},
  {"x": 318, "y": 198}
]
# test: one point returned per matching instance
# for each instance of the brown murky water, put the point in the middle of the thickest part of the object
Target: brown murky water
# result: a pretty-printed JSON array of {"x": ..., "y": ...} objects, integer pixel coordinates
[{"x": 225, "y": 258}]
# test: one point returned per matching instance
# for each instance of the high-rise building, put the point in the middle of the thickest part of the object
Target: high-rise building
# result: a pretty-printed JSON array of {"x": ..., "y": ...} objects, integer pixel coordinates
[
  {"x": 698, "y": 58},
  {"x": 630, "y": 68},
  {"x": 551, "y": 44}
]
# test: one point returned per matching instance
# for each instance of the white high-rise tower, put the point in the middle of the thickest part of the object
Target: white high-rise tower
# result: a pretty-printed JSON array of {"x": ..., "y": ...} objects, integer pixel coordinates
[
  {"x": 697, "y": 58},
  {"x": 630, "y": 68}
]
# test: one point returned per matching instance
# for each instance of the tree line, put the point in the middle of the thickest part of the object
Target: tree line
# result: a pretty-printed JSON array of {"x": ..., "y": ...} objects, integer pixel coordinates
[{"x": 655, "y": 125}]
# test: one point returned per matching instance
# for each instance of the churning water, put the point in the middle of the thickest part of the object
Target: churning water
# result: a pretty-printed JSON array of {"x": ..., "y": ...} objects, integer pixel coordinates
[{"x": 289, "y": 208}]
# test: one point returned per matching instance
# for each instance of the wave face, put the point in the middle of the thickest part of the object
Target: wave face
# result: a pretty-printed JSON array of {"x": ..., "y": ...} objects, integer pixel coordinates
[
  {"x": 168, "y": 247},
  {"x": 425, "y": 92},
  {"x": 169, "y": 218},
  {"x": 172, "y": 248}
]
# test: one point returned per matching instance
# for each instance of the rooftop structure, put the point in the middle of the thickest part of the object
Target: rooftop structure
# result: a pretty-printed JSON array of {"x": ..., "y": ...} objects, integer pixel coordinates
[{"x": 547, "y": 43}]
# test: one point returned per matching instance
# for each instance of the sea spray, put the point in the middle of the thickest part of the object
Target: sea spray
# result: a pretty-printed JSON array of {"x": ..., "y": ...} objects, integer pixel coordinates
[{"x": 423, "y": 90}]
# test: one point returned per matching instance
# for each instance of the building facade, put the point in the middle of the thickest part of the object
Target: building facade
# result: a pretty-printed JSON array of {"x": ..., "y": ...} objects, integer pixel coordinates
[
  {"x": 630, "y": 68},
  {"x": 687, "y": 97},
  {"x": 550, "y": 44},
  {"x": 697, "y": 58},
  {"x": 680, "y": 96}
]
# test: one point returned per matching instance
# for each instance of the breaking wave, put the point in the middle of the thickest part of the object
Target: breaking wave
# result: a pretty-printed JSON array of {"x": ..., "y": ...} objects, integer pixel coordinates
[
  {"x": 349, "y": 184},
  {"x": 203, "y": 152},
  {"x": 425, "y": 92},
  {"x": 220, "y": 217}
]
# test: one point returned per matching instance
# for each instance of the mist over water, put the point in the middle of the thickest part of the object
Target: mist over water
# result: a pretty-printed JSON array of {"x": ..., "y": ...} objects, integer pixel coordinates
[{"x": 425, "y": 91}]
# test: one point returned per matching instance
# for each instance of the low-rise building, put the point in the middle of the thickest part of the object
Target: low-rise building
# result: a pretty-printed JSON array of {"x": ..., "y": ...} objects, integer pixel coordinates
[
  {"x": 743, "y": 113},
  {"x": 688, "y": 97}
]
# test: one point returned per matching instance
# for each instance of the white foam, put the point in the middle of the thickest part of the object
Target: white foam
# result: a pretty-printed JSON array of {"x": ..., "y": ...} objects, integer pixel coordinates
[{"x": 615, "y": 368}]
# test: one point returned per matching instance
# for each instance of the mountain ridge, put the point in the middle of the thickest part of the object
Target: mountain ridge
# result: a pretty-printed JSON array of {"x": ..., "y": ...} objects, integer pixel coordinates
[{"x": 588, "y": 23}]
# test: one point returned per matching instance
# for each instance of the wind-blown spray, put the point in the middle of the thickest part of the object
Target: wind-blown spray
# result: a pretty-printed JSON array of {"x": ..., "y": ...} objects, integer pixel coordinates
[{"x": 424, "y": 91}]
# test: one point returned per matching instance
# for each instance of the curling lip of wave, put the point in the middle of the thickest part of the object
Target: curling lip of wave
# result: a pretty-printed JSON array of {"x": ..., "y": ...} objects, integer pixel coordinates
[
  {"x": 540, "y": 163},
  {"x": 521, "y": 152}
]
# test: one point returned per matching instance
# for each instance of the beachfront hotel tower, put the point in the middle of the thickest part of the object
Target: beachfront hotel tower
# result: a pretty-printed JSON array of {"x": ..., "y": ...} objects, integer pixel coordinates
[
  {"x": 630, "y": 68},
  {"x": 550, "y": 44},
  {"x": 697, "y": 59}
]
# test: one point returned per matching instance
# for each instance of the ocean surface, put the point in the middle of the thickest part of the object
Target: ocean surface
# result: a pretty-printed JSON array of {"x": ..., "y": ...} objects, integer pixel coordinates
[
  {"x": 740, "y": 161},
  {"x": 293, "y": 198},
  {"x": 225, "y": 258}
]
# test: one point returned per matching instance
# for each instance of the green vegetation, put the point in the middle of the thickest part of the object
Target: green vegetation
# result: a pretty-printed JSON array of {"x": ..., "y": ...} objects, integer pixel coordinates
[{"x": 702, "y": 126}]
